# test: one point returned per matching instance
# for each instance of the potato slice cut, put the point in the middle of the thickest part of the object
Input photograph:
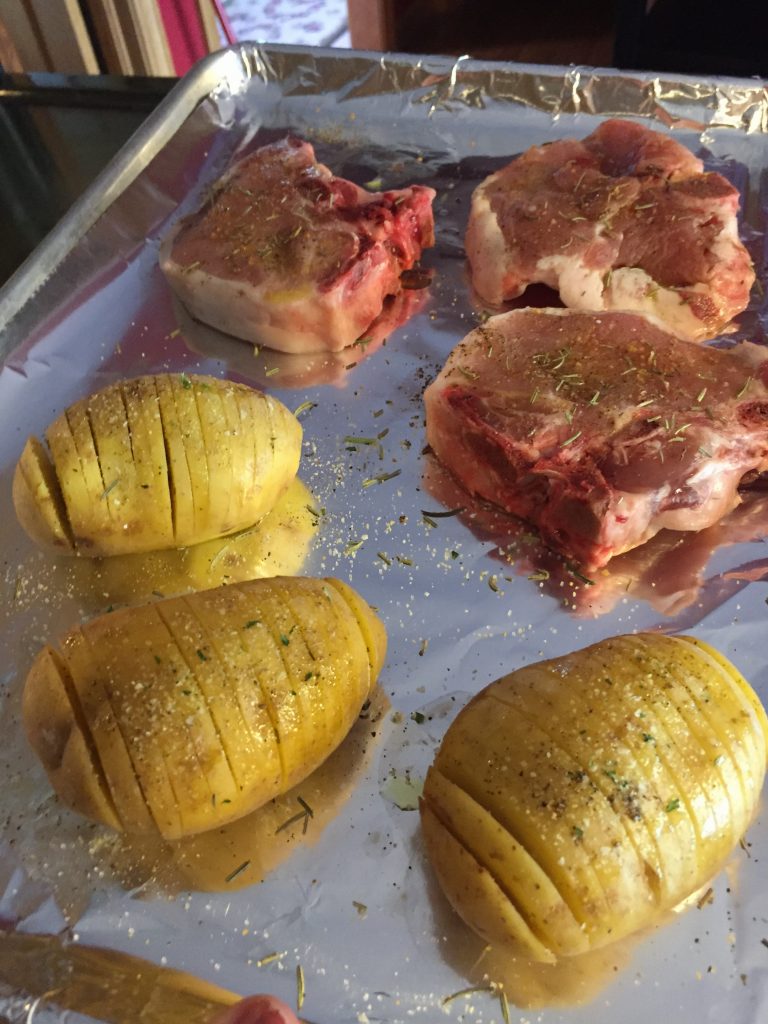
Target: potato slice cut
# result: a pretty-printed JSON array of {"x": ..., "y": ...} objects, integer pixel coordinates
[
  {"x": 517, "y": 874},
  {"x": 623, "y": 750},
  {"x": 202, "y": 657},
  {"x": 373, "y": 631},
  {"x": 326, "y": 654},
  {"x": 475, "y": 893},
  {"x": 720, "y": 684},
  {"x": 191, "y": 432},
  {"x": 38, "y": 500},
  {"x": 63, "y": 742},
  {"x": 571, "y": 830},
  {"x": 685, "y": 689},
  {"x": 147, "y": 464},
  {"x": 298, "y": 693},
  {"x": 220, "y": 452},
  {"x": 209, "y": 719},
  {"x": 108, "y": 420},
  {"x": 275, "y": 445},
  {"x": 151, "y": 701},
  {"x": 734, "y": 674},
  {"x": 620, "y": 771},
  {"x": 182, "y": 498},
  {"x": 129, "y": 797},
  {"x": 225, "y": 617},
  {"x": 81, "y": 485},
  {"x": 145, "y": 427},
  {"x": 631, "y": 778},
  {"x": 240, "y": 458}
]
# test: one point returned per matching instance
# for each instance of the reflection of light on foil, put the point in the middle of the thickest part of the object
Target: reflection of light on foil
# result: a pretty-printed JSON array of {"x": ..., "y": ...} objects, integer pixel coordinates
[{"x": 25, "y": 904}]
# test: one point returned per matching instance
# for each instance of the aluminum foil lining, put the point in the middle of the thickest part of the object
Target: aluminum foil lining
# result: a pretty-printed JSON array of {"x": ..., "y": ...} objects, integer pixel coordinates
[{"x": 350, "y": 905}]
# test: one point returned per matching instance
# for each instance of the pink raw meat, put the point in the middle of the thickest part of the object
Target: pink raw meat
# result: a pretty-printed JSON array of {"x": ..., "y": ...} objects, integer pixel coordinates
[
  {"x": 625, "y": 219},
  {"x": 599, "y": 428},
  {"x": 285, "y": 254}
]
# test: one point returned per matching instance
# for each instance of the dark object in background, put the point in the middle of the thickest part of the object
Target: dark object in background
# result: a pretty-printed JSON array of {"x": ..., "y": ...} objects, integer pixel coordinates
[
  {"x": 693, "y": 36},
  {"x": 56, "y": 133},
  {"x": 690, "y": 36}
]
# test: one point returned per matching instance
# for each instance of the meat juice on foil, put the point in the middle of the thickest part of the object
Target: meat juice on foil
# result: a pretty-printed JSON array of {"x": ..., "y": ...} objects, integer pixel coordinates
[{"x": 349, "y": 906}]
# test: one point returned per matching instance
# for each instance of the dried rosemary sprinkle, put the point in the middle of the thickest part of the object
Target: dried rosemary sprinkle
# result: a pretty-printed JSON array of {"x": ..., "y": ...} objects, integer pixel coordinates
[
  {"x": 304, "y": 407},
  {"x": 272, "y": 371},
  {"x": 466, "y": 992},
  {"x": 381, "y": 478},
  {"x": 238, "y": 870},
  {"x": 493, "y": 584},
  {"x": 429, "y": 521},
  {"x": 353, "y": 439},
  {"x": 423, "y": 648},
  {"x": 110, "y": 488},
  {"x": 571, "y": 439},
  {"x": 270, "y": 959},
  {"x": 353, "y": 546},
  {"x": 706, "y": 898},
  {"x": 504, "y": 1004},
  {"x": 299, "y": 986},
  {"x": 303, "y": 815},
  {"x": 186, "y": 383},
  {"x": 744, "y": 387},
  {"x": 384, "y": 558},
  {"x": 539, "y": 576},
  {"x": 580, "y": 576}
]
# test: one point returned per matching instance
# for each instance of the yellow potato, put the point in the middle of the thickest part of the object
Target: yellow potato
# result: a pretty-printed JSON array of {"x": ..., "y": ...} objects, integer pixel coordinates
[
  {"x": 156, "y": 463},
  {"x": 189, "y": 713},
  {"x": 579, "y": 800},
  {"x": 277, "y": 546}
]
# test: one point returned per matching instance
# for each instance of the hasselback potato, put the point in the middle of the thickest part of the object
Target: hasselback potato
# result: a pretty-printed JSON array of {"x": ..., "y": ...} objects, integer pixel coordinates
[
  {"x": 184, "y": 714},
  {"x": 577, "y": 800},
  {"x": 157, "y": 462}
]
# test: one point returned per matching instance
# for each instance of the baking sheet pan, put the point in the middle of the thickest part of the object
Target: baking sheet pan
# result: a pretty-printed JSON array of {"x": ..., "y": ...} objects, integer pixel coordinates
[{"x": 350, "y": 904}]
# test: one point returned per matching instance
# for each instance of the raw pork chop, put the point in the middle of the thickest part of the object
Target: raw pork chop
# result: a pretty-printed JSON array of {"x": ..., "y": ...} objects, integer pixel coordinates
[
  {"x": 625, "y": 219},
  {"x": 599, "y": 428},
  {"x": 285, "y": 254}
]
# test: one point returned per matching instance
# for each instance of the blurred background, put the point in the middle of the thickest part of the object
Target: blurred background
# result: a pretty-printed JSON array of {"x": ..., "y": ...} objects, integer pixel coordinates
[{"x": 165, "y": 37}]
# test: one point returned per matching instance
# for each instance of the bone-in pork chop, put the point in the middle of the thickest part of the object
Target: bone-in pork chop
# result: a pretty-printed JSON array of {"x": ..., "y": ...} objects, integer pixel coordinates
[
  {"x": 600, "y": 429},
  {"x": 625, "y": 219},
  {"x": 286, "y": 254}
]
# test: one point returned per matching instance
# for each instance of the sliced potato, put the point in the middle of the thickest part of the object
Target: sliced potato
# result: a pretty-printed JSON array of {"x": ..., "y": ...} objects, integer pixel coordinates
[
  {"x": 157, "y": 462},
  {"x": 277, "y": 546},
  {"x": 37, "y": 497},
  {"x": 193, "y": 711},
  {"x": 623, "y": 775}
]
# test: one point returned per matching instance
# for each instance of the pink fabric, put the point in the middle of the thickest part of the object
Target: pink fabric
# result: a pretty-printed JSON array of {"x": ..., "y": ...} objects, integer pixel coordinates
[{"x": 184, "y": 30}]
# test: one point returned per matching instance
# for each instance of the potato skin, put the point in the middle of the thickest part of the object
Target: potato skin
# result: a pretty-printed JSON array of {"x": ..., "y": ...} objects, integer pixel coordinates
[
  {"x": 185, "y": 714},
  {"x": 156, "y": 462},
  {"x": 578, "y": 800}
]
